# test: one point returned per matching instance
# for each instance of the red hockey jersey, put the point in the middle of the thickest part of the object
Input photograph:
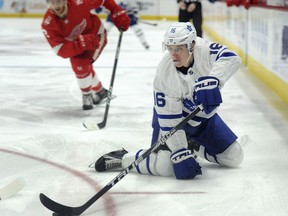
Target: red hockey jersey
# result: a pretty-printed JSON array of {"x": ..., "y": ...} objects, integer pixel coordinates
[{"x": 62, "y": 33}]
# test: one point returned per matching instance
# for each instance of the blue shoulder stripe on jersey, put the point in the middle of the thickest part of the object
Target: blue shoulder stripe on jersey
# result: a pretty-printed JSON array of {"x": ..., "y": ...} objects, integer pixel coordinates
[
  {"x": 226, "y": 54},
  {"x": 213, "y": 52},
  {"x": 221, "y": 51},
  {"x": 173, "y": 116}
]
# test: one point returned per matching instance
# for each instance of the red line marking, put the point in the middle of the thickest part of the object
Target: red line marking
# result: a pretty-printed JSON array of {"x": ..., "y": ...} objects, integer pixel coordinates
[{"x": 108, "y": 201}]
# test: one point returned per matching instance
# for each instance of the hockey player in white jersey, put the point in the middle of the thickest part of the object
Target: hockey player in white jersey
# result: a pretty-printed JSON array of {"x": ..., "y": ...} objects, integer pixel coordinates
[
  {"x": 192, "y": 71},
  {"x": 132, "y": 10}
]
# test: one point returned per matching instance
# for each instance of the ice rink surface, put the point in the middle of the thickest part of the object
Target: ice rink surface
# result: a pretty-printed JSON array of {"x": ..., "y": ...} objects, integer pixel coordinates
[{"x": 43, "y": 141}]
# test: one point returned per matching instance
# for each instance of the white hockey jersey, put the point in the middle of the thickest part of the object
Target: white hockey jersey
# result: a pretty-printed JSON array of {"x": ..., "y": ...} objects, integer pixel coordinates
[{"x": 171, "y": 86}]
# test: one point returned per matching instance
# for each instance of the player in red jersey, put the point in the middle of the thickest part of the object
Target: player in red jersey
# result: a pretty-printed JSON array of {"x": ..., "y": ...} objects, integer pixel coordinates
[{"x": 73, "y": 32}]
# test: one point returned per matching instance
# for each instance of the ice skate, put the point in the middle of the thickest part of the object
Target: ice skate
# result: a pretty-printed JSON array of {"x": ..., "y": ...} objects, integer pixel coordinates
[
  {"x": 146, "y": 45},
  {"x": 110, "y": 161},
  {"x": 100, "y": 96},
  {"x": 87, "y": 101}
]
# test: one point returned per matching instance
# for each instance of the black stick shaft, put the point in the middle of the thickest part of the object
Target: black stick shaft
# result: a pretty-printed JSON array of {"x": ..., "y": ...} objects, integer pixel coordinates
[
  {"x": 121, "y": 175},
  {"x": 103, "y": 123},
  {"x": 66, "y": 210}
]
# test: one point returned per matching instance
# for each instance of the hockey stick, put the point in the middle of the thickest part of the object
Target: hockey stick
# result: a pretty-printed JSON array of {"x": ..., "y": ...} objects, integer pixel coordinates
[
  {"x": 62, "y": 210},
  {"x": 148, "y": 23},
  {"x": 93, "y": 125},
  {"x": 12, "y": 188}
]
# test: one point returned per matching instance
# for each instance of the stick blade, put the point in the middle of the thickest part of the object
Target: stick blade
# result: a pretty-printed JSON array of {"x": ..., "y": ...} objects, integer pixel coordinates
[
  {"x": 94, "y": 126},
  {"x": 12, "y": 188},
  {"x": 91, "y": 126},
  {"x": 59, "y": 209},
  {"x": 97, "y": 126}
]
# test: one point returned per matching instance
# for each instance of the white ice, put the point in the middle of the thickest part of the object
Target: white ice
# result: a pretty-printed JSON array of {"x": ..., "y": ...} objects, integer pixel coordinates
[{"x": 42, "y": 138}]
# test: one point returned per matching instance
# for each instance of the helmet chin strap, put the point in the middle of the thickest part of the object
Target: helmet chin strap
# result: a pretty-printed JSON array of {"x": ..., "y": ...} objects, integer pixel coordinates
[{"x": 189, "y": 58}]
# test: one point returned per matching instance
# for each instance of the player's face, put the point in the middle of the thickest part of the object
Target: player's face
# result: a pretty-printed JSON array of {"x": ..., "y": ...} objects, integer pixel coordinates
[
  {"x": 57, "y": 6},
  {"x": 179, "y": 54}
]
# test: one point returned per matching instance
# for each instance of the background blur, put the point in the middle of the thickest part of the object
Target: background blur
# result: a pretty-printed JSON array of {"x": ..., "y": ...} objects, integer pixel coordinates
[{"x": 256, "y": 29}]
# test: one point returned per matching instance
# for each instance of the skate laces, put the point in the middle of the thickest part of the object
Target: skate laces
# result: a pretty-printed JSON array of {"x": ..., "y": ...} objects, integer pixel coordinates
[{"x": 112, "y": 162}]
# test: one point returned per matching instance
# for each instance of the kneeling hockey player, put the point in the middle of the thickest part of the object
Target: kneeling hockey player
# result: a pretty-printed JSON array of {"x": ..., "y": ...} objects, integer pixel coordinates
[{"x": 191, "y": 72}]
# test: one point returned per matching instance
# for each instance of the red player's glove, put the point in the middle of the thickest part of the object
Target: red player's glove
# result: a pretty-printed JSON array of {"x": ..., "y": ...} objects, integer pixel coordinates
[
  {"x": 120, "y": 18},
  {"x": 88, "y": 42}
]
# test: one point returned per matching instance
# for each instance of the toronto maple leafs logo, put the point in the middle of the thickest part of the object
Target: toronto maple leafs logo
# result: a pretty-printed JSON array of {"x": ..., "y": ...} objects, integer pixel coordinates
[
  {"x": 172, "y": 30},
  {"x": 189, "y": 28}
]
